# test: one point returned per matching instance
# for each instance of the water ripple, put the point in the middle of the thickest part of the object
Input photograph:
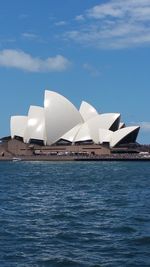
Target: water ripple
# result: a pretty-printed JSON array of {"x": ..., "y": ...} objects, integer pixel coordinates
[{"x": 74, "y": 214}]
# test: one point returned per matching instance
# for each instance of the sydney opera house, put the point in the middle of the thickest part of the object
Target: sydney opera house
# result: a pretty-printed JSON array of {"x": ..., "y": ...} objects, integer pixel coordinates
[{"x": 60, "y": 123}]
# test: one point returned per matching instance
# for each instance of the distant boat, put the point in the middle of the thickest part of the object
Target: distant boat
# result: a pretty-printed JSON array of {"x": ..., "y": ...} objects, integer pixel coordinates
[{"x": 16, "y": 159}]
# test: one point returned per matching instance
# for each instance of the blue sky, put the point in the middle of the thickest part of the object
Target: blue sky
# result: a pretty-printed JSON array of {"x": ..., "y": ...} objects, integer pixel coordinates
[{"x": 97, "y": 51}]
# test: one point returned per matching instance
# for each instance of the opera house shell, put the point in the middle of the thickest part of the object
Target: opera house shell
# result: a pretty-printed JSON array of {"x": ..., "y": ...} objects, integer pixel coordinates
[{"x": 60, "y": 122}]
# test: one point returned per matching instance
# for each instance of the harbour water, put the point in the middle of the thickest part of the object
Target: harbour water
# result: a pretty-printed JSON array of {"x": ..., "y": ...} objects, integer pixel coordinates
[{"x": 72, "y": 214}]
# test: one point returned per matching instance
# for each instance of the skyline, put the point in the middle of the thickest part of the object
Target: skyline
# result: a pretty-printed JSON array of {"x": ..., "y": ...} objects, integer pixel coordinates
[{"x": 97, "y": 52}]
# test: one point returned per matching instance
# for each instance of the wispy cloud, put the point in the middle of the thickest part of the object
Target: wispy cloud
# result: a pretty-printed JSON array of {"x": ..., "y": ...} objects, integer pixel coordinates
[
  {"x": 7, "y": 40},
  {"x": 91, "y": 70},
  {"x": 79, "y": 18},
  {"x": 145, "y": 125},
  {"x": 21, "y": 60},
  {"x": 114, "y": 24},
  {"x": 60, "y": 23},
  {"x": 29, "y": 36}
]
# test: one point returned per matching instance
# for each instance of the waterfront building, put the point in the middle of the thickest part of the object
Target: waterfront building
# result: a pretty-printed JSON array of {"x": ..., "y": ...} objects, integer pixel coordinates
[{"x": 59, "y": 122}]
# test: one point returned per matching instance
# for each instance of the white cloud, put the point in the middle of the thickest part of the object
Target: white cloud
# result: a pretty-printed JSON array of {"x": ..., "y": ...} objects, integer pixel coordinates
[
  {"x": 108, "y": 9},
  {"x": 21, "y": 60},
  {"x": 114, "y": 24},
  {"x": 135, "y": 9}
]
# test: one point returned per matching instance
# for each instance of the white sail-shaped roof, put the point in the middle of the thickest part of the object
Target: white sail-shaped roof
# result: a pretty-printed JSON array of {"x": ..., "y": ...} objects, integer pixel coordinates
[
  {"x": 87, "y": 111},
  {"x": 35, "y": 124},
  {"x": 104, "y": 136},
  {"x": 60, "y": 116},
  {"x": 18, "y": 126},
  {"x": 119, "y": 135},
  {"x": 59, "y": 119},
  {"x": 70, "y": 135},
  {"x": 83, "y": 134},
  {"x": 102, "y": 121},
  {"x": 90, "y": 129}
]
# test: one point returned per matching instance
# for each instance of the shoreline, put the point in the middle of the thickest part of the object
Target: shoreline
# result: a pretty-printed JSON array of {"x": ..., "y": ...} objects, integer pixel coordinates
[
  {"x": 16, "y": 150},
  {"x": 75, "y": 158}
]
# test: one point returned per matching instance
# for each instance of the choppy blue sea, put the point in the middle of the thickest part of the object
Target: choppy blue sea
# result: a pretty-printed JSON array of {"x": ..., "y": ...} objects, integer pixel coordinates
[{"x": 74, "y": 214}]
